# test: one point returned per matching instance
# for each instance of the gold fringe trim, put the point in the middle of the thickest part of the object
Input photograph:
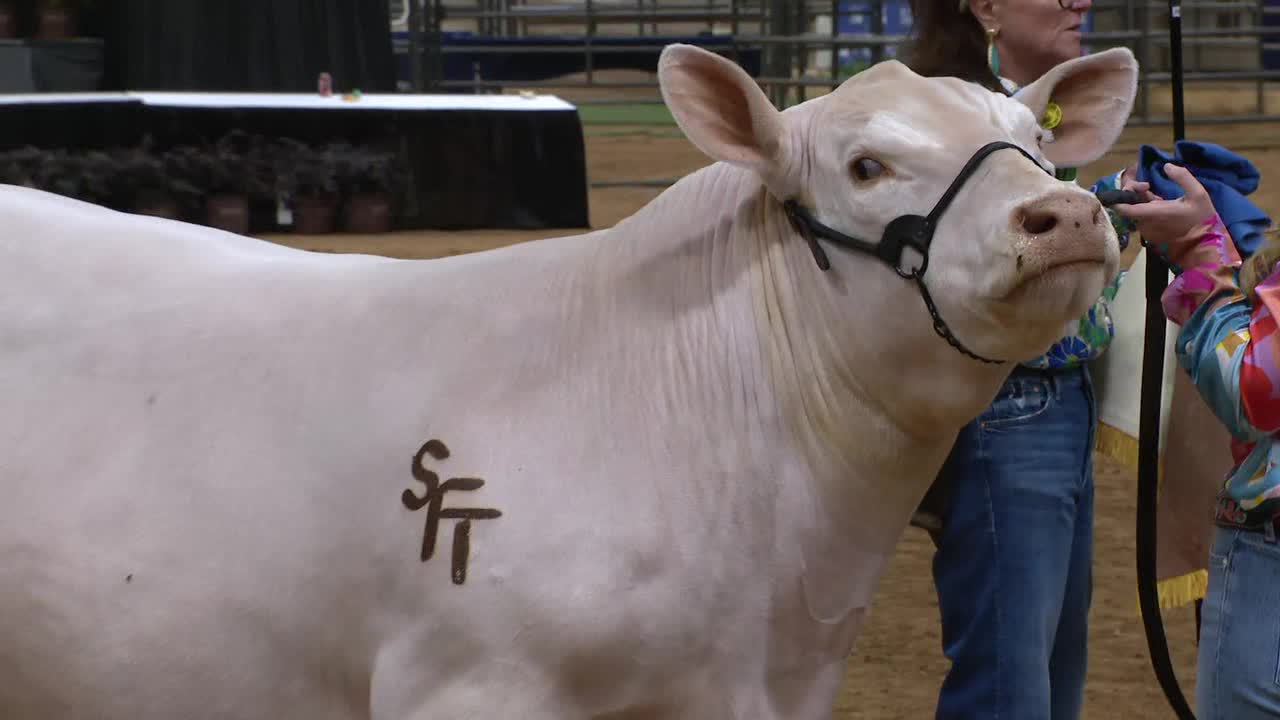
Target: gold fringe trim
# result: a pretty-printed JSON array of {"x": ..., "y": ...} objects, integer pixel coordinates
[
  {"x": 1117, "y": 445},
  {"x": 1173, "y": 592},
  {"x": 1182, "y": 590}
]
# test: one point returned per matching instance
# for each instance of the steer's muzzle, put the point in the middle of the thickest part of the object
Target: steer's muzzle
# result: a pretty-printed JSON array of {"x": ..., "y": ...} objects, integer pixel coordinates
[
  {"x": 1058, "y": 216},
  {"x": 1063, "y": 227}
]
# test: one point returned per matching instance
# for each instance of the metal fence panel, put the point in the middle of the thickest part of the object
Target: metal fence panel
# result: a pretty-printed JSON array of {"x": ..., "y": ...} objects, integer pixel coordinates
[{"x": 605, "y": 51}]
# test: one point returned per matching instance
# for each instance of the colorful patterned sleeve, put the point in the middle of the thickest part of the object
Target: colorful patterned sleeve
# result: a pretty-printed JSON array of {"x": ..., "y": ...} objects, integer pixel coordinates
[
  {"x": 1228, "y": 343},
  {"x": 1260, "y": 372},
  {"x": 1211, "y": 348},
  {"x": 1205, "y": 263}
]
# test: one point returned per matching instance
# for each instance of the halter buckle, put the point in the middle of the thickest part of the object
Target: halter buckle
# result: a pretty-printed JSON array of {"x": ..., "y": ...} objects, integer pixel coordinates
[{"x": 906, "y": 231}]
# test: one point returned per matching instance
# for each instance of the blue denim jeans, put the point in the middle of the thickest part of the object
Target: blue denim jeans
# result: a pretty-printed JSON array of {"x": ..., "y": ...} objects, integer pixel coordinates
[
  {"x": 1238, "y": 671},
  {"x": 1013, "y": 563}
]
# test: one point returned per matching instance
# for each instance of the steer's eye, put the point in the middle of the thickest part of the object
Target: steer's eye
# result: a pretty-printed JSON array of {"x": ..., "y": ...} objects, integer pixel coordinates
[{"x": 865, "y": 169}]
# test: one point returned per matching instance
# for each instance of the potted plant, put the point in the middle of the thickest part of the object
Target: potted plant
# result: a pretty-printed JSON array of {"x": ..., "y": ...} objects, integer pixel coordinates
[
  {"x": 57, "y": 19},
  {"x": 369, "y": 180},
  {"x": 226, "y": 204},
  {"x": 186, "y": 162},
  {"x": 53, "y": 173},
  {"x": 85, "y": 176},
  {"x": 307, "y": 177},
  {"x": 97, "y": 177},
  {"x": 226, "y": 180},
  {"x": 21, "y": 166},
  {"x": 238, "y": 172},
  {"x": 146, "y": 183}
]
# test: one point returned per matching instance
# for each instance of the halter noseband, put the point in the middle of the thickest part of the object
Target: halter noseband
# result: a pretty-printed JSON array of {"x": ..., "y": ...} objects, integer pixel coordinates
[{"x": 904, "y": 231}]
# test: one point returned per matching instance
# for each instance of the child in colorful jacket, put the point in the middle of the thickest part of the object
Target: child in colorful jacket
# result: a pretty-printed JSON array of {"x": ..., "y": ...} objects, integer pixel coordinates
[{"x": 1228, "y": 344}]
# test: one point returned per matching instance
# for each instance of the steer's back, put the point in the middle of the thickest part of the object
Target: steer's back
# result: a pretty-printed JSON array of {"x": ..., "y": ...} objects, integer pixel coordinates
[
  {"x": 138, "y": 543},
  {"x": 206, "y": 441}
]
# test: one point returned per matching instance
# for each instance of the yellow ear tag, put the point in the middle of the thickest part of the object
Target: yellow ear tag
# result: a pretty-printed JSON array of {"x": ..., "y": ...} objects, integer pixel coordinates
[{"x": 1052, "y": 116}]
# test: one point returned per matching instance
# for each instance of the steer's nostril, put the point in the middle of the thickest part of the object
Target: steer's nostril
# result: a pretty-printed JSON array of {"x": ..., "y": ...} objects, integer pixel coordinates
[{"x": 1038, "y": 222}]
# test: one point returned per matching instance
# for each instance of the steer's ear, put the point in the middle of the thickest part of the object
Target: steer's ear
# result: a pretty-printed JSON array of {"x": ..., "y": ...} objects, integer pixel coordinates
[
  {"x": 1096, "y": 95},
  {"x": 721, "y": 109}
]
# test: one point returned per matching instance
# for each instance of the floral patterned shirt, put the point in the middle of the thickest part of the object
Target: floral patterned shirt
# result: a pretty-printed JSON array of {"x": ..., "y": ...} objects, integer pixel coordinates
[
  {"x": 1230, "y": 347},
  {"x": 1095, "y": 329}
]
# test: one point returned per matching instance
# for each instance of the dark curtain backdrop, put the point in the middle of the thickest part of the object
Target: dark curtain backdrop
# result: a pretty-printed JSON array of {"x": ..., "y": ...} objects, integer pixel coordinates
[{"x": 248, "y": 45}]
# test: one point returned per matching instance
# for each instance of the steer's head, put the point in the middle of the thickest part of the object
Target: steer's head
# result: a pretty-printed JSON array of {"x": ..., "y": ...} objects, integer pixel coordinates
[{"x": 1017, "y": 255}]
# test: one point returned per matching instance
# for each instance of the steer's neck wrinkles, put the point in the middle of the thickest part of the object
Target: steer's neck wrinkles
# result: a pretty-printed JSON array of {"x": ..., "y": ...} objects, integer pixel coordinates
[
  {"x": 843, "y": 367},
  {"x": 848, "y": 357},
  {"x": 875, "y": 398}
]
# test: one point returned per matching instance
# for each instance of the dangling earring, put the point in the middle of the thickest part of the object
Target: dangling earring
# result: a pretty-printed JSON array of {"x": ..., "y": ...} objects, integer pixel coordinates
[{"x": 993, "y": 57}]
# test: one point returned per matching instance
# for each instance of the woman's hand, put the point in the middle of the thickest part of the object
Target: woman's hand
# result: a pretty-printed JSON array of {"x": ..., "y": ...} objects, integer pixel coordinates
[
  {"x": 1187, "y": 233},
  {"x": 1169, "y": 226},
  {"x": 1128, "y": 175}
]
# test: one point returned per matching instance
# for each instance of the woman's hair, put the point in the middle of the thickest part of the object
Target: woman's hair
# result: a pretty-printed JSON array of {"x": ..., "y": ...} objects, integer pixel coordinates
[
  {"x": 1261, "y": 264},
  {"x": 948, "y": 42}
]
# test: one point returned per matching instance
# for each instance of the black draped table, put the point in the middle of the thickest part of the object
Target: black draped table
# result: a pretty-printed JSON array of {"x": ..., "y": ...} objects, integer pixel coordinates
[
  {"x": 475, "y": 161},
  {"x": 77, "y": 121}
]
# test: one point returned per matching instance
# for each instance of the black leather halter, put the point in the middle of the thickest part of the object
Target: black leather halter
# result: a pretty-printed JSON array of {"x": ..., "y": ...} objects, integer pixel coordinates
[{"x": 904, "y": 231}]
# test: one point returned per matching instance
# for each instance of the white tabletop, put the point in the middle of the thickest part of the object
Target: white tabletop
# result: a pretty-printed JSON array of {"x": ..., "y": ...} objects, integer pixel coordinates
[
  {"x": 51, "y": 98},
  {"x": 314, "y": 101}
]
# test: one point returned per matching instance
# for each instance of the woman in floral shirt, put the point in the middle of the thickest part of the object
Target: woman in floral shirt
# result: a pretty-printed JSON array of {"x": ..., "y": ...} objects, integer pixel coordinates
[{"x": 1229, "y": 346}]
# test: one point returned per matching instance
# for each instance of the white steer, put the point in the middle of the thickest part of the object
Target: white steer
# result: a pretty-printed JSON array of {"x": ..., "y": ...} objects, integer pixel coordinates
[{"x": 653, "y": 471}]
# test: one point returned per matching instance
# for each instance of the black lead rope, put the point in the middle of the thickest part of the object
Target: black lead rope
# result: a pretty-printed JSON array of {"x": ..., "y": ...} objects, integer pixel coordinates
[
  {"x": 904, "y": 231},
  {"x": 1149, "y": 414}
]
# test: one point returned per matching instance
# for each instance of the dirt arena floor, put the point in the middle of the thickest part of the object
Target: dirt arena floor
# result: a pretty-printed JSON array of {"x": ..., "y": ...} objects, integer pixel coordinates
[{"x": 898, "y": 665}]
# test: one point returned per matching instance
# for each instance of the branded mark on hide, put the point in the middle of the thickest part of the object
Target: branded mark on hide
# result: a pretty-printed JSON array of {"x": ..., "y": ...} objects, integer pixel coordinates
[{"x": 433, "y": 500}]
